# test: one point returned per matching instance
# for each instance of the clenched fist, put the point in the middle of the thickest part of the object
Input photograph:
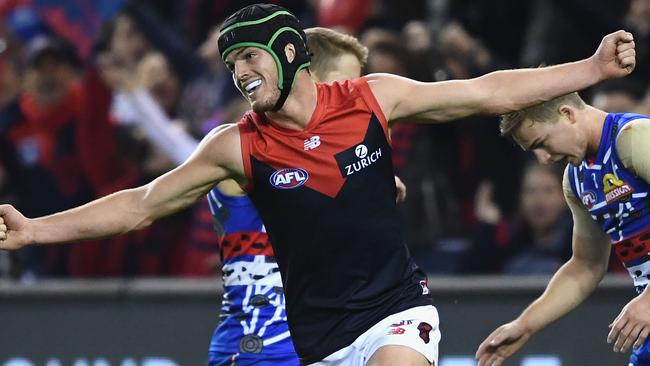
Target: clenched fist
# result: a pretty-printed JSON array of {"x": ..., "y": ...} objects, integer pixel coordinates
[
  {"x": 616, "y": 56},
  {"x": 12, "y": 228}
]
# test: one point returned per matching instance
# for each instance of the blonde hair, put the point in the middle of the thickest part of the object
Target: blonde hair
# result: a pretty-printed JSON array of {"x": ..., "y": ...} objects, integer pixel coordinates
[
  {"x": 326, "y": 45},
  {"x": 544, "y": 112}
]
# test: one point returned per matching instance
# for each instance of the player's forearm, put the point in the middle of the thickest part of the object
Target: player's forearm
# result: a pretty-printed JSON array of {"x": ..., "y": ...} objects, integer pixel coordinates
[
  {"x": 512, "y": 90},
  {"x": 569, "y": 287},
  {"x": 111, "y": 215}
]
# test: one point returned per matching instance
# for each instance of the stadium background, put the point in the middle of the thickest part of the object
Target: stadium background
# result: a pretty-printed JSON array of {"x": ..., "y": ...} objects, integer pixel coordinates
[{"x": 155, "y": 294}]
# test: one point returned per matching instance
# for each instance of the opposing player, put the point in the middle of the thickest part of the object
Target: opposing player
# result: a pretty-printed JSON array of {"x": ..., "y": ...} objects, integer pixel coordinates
[
  {"x": 606, "y": 186},
  {"x": 353, "y": 294}
]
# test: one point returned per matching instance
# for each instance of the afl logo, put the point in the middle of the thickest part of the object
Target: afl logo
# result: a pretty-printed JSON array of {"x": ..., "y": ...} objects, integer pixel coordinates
[
  {"x": 288, "y": 178},
  {"x": 588, "y": 199},
  {"x": 361, "y": 151}
]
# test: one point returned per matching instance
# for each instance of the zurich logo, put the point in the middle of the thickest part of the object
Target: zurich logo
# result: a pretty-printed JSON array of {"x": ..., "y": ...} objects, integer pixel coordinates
[
  {"x": 361, "y": 151},
  {"x": 288, "y": 178}
]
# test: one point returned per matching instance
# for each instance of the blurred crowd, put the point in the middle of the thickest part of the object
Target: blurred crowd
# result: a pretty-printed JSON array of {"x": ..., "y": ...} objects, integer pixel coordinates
[{"x": 105, "y": 96}]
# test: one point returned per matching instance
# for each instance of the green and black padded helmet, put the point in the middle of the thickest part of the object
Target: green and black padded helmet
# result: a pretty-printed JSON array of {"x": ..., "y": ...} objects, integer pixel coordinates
[{"x": 271, "y": 28}]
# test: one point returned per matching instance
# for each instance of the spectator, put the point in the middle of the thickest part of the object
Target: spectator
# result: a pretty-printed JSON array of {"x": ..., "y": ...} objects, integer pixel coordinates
[
  {"x": 38, "y": 144},
  {"x": 10, "y": 84},
  {"x": 622, "y": 95},
  {"x": 536, "y": 241},
  {"x": 561, "y": 30},
  {"x": 637, "y": 19}
]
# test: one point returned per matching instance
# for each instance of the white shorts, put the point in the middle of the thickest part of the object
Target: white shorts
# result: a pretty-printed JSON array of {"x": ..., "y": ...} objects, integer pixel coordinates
[{"x": 415, "y": 328}]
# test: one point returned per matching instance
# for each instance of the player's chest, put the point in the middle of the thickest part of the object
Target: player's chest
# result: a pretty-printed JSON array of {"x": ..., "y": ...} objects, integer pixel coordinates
[
  {"x": 322, "y": 157},
  {"x": 612, "y": 194}
]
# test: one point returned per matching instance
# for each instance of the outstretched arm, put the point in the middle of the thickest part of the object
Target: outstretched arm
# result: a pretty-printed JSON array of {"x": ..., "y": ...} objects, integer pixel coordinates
[
  {"x": 218, "y": 157},
  {"x": 502, "y": 91},
  {"x": 569, "y": 287}
]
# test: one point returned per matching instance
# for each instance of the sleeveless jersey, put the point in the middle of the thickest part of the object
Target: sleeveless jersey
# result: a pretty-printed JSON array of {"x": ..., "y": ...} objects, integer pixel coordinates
[
  {"x": 253, "y": 318},
  {"x": 617, "y": 200},
  {"x": 327, "y": 197}
]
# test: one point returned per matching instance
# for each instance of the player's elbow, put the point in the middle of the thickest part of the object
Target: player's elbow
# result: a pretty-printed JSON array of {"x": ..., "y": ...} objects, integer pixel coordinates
[
  {"x": 496, "y": 103},
  {"x": 490, "y": 98},
  {"x": 142, "y": 220},
  {"x": 593, "y": 269},
  {"x": 142, "y": 224},
  {"x": 141, "y": 213},
  {"x": 598, "y": 271}
]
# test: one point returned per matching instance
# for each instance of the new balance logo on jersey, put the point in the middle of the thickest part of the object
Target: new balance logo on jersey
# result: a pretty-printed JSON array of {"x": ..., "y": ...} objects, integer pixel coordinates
[
  {"x": 288, "y": 178},
  {"x": 365, "y": 159},
  {"x": 312, "y": 143}
]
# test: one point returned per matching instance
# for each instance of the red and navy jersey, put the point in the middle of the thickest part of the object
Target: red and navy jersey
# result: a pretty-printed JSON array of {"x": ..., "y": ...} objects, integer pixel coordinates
[{"x": 327, "y": 197}]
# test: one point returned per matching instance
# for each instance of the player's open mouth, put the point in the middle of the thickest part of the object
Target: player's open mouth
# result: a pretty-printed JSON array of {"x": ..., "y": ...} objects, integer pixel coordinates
[{"x": 250, "y": 88}]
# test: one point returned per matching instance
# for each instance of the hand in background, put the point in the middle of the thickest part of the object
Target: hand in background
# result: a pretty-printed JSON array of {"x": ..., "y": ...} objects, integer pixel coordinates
[
  {"x": 401, "y": 190},
  {"x": 485, "y": 209}
]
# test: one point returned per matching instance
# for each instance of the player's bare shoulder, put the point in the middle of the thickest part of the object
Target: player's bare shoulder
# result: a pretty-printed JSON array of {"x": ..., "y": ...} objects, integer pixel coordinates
[
  {"x": 222, "y": 147},
  {"x": 632, "y": 137},
  {"x": 639, "y": 125},
  {"x": 382, "y": 83},
  {"x": 222, "y": 131},
  {"x": 632, "y": 146},
  {"x": 389, "y": 91}
]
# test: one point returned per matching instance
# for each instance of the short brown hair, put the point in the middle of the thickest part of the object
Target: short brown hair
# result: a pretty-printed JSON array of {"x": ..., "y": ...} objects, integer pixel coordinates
[
  {"x": 544, "y": 112},
  {"x": 326, "y": 44}
]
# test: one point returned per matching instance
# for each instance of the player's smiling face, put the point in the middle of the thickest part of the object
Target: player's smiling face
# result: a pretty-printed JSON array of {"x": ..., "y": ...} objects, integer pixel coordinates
[
  {"x": 255, "y": 74},
  {"x": 552, "y": 142}
]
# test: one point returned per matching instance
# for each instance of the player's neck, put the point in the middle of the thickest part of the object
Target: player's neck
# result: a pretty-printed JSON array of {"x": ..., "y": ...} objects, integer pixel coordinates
[{"x": 296, "y": 112}]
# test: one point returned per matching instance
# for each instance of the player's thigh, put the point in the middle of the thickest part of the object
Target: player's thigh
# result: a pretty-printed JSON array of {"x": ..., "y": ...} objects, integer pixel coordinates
[
  {"x": 411, "y": 335},
  {"x": 397, "y": 355}
]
